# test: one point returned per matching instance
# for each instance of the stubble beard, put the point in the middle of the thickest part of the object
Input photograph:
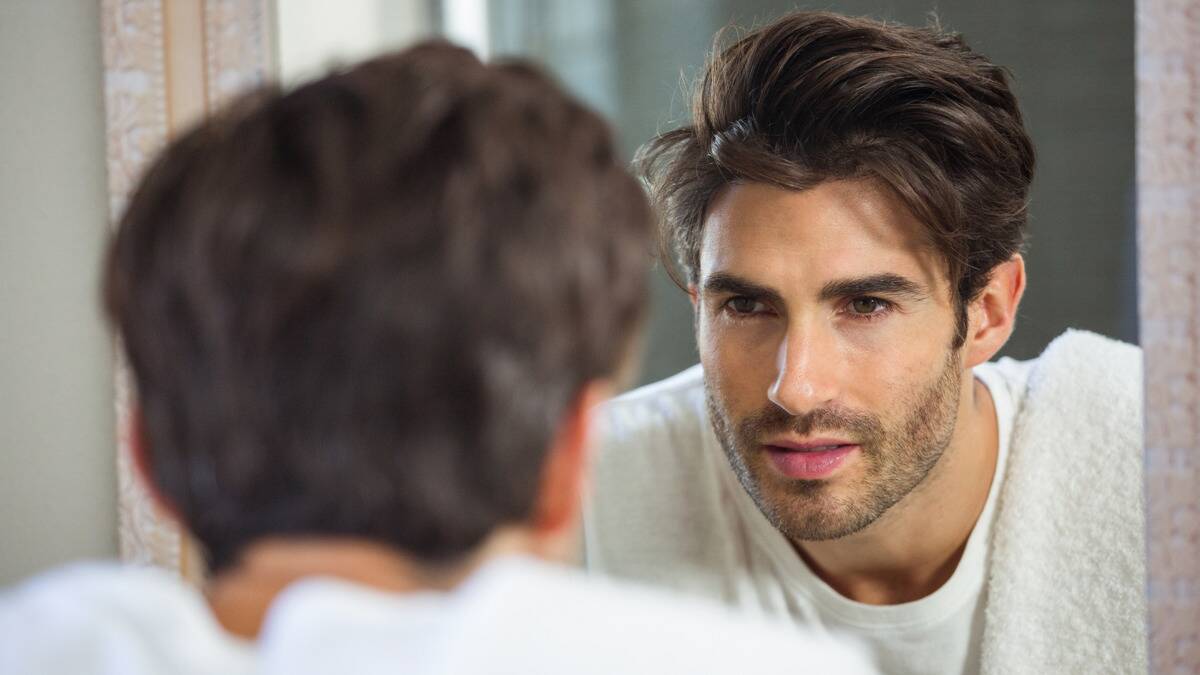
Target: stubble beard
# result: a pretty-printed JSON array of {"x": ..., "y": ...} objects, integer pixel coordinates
[{"x": 895, "y": 459}]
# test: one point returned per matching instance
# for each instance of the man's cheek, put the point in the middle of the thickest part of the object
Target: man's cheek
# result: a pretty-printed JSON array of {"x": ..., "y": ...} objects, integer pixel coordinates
[{"x": 737, "y": 379}]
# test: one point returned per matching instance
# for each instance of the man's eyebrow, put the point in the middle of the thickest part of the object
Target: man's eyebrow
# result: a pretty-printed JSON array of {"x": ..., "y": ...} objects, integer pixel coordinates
[
  {"x": 725, "y": 283},
  {"x": 876, "y": 284}
]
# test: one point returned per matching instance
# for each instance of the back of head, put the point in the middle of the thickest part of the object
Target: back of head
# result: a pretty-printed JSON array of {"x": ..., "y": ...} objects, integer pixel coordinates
[
  {"x": 816, "y": 96},
  {"x": 359, "y": 308}
]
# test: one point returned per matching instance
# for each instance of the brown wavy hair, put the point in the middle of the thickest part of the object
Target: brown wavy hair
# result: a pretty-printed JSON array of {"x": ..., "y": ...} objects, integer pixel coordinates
[{"x": 814, "y": 97}]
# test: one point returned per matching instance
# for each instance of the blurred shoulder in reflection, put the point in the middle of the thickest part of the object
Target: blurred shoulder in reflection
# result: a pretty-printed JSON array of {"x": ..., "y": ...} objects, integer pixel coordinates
[{"x": 368, "y": 320}]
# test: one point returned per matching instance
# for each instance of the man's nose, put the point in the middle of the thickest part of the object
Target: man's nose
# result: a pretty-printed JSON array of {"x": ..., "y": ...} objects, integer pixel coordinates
[{"x": 806, "y": 371}]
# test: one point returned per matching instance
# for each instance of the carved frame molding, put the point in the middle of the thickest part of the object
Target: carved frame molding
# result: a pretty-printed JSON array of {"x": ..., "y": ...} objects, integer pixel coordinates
[
  {"x": 167, "y": 63},
  {"x": 1168, "y": 187}
]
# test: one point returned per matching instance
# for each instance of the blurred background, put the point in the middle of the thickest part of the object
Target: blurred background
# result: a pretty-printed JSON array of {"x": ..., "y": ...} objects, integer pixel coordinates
[{"x": 1072, "y": 62}]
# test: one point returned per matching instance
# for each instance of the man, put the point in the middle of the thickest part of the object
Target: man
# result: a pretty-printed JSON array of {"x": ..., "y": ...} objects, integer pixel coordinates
[
  {"x": 368, "y": 320},
  {"x": 848, "y": 207}
]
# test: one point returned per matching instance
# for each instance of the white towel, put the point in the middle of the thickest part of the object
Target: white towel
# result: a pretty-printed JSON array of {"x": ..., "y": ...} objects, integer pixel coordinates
[{"x": 1066, "y": 587}]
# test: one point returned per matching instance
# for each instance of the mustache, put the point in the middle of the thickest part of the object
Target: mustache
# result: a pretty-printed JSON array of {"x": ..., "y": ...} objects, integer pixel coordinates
[{"x": 773, "y": 420}]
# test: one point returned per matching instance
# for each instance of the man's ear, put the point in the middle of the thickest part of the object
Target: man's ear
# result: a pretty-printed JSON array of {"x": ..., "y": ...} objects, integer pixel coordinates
[
  {"x": 992, "y": 316},
  {"x": 565, "y": 472},
  {"x": 139, "y": 457},
  {"x": 693, "y": 295}
]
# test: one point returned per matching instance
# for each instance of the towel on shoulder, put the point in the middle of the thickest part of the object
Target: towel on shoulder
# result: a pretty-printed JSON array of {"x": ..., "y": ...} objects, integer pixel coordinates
[{"x": 1068, "y": 572}]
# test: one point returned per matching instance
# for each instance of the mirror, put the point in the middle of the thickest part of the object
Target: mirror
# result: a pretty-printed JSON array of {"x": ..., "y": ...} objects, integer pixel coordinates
[{"x": 1072, "y": 67}]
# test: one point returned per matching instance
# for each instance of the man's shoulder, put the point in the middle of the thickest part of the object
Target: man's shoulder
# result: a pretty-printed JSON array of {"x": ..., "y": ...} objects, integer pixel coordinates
[
  {"x": 1067, "y": 544},
  {"x": 604, "y": 626},
  {"x": 654, "y": 437},
  {"x": 80, "y": 590},
  {"x": 657, "y": 511},
  {"x": 676, "y": 402},
  {"x": 521, "y": 614},
  {"x": 1093, "y": 367},
  {"x": 109, "y": 618},
  {"x": 1082, "y": 379}
]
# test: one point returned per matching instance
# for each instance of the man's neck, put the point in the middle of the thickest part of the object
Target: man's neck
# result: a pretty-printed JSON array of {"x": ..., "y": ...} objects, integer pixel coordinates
[
  {"x": 241, "y": 596},
  {"x": 914, "y": 548}
]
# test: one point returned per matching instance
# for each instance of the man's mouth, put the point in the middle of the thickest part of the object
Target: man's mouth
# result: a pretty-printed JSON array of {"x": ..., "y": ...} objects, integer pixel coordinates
[{"x": 811, "y": 459}]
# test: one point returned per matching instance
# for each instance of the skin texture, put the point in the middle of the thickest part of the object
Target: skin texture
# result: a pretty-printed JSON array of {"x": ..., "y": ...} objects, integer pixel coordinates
[{"x": 828, "y": 314}]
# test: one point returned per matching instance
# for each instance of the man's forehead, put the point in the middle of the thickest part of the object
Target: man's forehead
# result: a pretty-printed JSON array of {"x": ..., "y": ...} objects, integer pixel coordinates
[{"x": 836, "y": 229}]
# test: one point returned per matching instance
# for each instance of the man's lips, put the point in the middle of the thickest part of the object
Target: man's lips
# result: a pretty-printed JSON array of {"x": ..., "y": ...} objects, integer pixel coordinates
[
  {"x": 810, "y": 459},
  {"x": 809, "y": 444}
]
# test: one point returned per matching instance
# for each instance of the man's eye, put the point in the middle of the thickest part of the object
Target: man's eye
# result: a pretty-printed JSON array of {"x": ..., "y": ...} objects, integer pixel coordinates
[
  {"x": 867, "y": 306},
  {"x": 744, "y": 305}
]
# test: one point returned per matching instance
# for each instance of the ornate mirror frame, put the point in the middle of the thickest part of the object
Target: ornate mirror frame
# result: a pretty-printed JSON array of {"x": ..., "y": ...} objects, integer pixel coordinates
[
  {"x": 1168, "y": 224},
  {"x": 167, "y": 63}
]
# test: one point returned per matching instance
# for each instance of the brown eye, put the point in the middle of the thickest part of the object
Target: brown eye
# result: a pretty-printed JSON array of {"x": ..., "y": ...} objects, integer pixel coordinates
[
  {"x": 866, "y": 305},
  {"x": 744, "y": 305}
]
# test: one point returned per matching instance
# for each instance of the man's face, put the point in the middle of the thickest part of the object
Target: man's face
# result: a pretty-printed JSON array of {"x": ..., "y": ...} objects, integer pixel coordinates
[{"x": 826, "y": 326}]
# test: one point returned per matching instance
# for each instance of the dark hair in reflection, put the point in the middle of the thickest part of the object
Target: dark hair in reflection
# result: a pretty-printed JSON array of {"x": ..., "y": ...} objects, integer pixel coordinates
[
  {"x": 815, "y": 96},
  {"x": 361, "y": 308}
]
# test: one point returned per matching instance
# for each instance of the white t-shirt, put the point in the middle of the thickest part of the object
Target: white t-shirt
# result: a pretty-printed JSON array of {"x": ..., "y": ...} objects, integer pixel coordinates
[
  {"x": 667, "y": 509},
  {"x": 514, "y": 616}
]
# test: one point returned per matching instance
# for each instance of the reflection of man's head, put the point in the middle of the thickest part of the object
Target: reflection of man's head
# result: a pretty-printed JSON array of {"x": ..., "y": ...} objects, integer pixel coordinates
[
  {"x": 360, "y": 308},
  {"x": 840, "y": 205}
]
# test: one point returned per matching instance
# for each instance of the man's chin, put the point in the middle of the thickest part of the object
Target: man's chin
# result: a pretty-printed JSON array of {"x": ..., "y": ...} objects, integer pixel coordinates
[
  {"x": 819, "y": 526},
  {"x": 810, "y": 510}
]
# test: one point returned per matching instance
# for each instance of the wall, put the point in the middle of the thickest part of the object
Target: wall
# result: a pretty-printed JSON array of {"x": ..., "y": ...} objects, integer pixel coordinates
[
  {"x": 314, "y": 35},
  {"x": 57, "y": 482}
]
